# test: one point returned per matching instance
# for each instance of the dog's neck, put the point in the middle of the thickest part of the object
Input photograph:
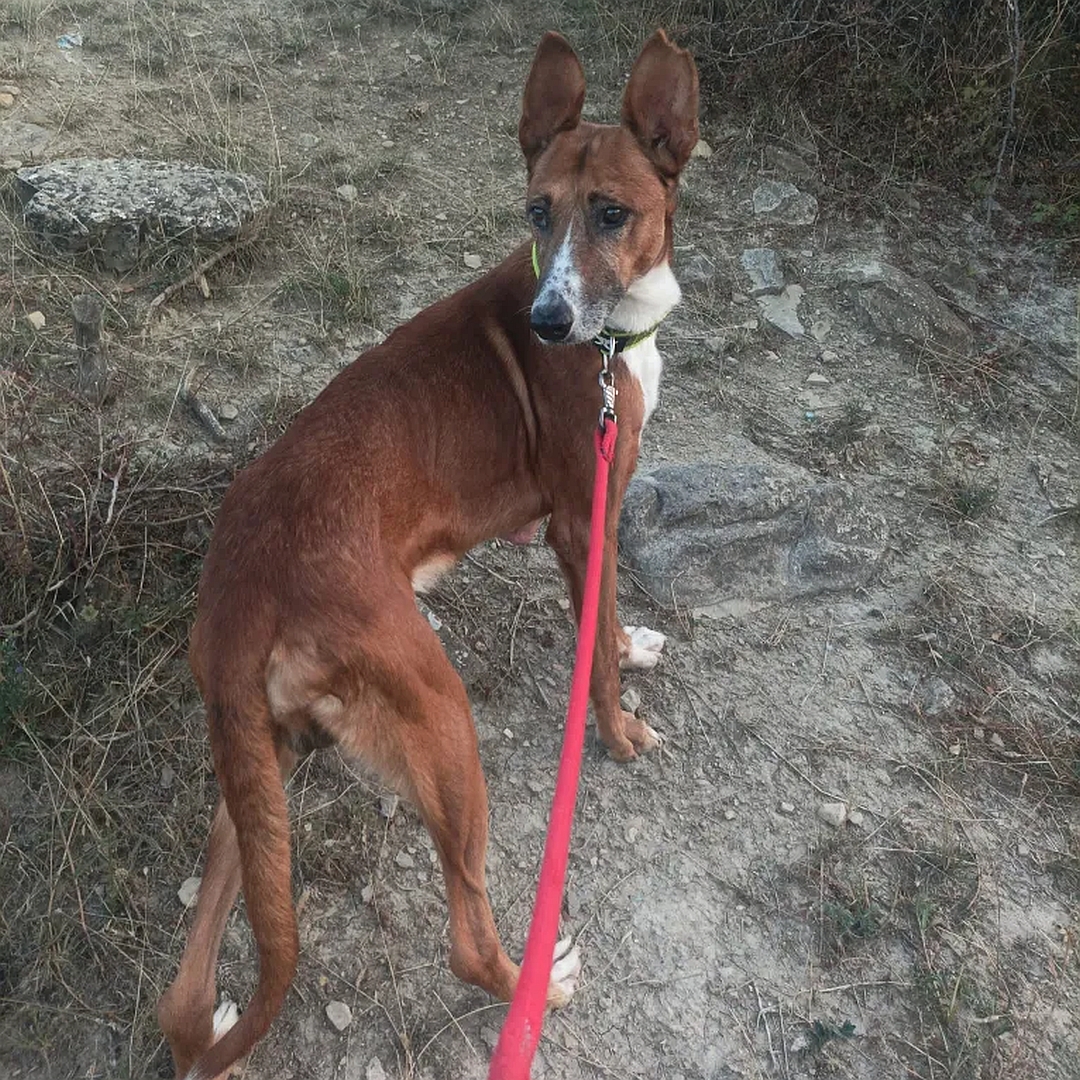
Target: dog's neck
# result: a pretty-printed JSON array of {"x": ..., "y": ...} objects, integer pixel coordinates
[{"x": 647, "y": 302}]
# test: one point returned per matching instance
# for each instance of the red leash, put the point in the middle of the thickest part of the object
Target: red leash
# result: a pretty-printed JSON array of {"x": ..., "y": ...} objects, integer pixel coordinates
[{"x": 521, "y": 1030}]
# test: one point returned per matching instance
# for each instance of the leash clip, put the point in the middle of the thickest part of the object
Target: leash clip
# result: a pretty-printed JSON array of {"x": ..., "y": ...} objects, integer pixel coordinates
[{"x": 606, "y": 344}]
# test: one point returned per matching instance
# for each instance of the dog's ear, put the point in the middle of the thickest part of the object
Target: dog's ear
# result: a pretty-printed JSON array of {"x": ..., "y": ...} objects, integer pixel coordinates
[
  {"x": 660, "y": 105},
  {"x": 554, "y": 95}
]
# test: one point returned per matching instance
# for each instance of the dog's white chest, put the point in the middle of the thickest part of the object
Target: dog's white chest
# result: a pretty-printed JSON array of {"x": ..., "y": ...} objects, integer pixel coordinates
[{"x": 645, "y": 364}]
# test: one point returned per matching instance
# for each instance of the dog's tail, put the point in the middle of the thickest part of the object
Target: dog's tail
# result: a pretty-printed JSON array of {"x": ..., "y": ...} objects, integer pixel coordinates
[{"x": 246, "y": 762}]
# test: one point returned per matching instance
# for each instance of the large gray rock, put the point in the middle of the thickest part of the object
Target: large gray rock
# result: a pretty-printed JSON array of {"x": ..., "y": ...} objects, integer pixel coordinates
[
  {"x": 898, "y": 305},
  {"x": 712, "y": 534},
  {"x": 116, "y": 208}
]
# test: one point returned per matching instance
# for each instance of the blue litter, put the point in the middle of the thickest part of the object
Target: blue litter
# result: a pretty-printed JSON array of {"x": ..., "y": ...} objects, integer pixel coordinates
[{"x": 71, "y": 40}]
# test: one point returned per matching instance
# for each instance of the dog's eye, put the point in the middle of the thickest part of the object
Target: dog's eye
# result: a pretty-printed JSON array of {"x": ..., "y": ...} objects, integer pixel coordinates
[
  {"x": 614, "y": 217},
  {"x": 539, "y": 216}
]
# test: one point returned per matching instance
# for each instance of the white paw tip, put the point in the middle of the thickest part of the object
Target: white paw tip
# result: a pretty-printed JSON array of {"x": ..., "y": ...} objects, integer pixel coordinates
[
  {"x": 225, "y": 1015},
  {"x": 566, "y": 970},
  {"x": 645, "y": 647}
]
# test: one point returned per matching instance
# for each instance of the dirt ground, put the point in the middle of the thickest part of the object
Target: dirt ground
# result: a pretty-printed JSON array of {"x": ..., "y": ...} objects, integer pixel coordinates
[{"x": 727, "y": 931}]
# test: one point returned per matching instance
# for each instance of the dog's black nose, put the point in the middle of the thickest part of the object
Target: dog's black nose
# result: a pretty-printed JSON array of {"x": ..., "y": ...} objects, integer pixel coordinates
[{"x": 552, "y": 319}]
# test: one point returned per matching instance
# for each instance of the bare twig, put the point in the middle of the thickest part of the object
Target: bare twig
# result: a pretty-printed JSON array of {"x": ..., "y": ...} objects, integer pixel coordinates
[
  {"x": 93, "y": 377},
  {"x": 196, "y": 277}
]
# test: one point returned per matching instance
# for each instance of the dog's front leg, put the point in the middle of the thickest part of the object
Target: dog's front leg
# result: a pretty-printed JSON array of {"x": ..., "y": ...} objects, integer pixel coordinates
[{"x": 568, "y": 534}]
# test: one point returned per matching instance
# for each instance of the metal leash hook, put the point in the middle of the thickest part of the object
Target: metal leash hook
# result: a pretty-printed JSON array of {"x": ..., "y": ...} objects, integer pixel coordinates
[{"x": 606, "y": 344}]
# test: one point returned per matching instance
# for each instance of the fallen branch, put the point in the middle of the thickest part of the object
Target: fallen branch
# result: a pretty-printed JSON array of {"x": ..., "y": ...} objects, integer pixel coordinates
[{"x": 196, "y": 277}]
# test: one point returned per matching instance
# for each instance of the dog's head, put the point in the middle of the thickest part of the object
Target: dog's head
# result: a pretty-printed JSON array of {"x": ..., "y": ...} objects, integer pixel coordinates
[{"x": 601, "y": 198}]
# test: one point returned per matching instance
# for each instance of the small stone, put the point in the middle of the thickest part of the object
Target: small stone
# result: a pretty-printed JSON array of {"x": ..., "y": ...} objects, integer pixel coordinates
[
  {"x": 829, "y": 357},
  {"x": 388, "y": 805},
  {"x": 816, "y": 378},
  {"x": 787, "y": 808},
  {"x": 388, "y": 143},
  {"x": 367, "y": 893},
  {"x": 8, "y": 88},
  {"x": 997, "y": 740},
  {"x": 702, "y": 150},
  {"x": 729, "y": 815},
  {"x": 1023, "y": 850},
  {"x": 936, "y": 697},
  {"x": 473, "y": 262},
  {"x": 857, "y": 818},
  {"x": 10, "y": 164},
  {"x": 347, "y": 192},
  {"x": 783, "y": 311},
  {"x": 434, "y": 621},
  {"x": 783, "y": 202},
  {"x": 833, "y": 813},
  {"x": 339, "y": 1014},
  {"x": 228, "y": 412},
  {"x": 6, "y": 100},
  {"x": 374, "y": 1070},
  {"x": 404, "y": 860},
  {"x": 36, "y": 319},
  {"x": 630, "y": 700},
  {"x": 306, "y": 140},
  {"x": 632, "y": 834},
  {"x": 168, "y": 775},
  {"x": 764, "y": 269},
  {"x": 188, "y": 892},
  {"x": 563, "y": 603},
  {"x": 820, "y": 330},
  {"x": 535, "y": 786}
]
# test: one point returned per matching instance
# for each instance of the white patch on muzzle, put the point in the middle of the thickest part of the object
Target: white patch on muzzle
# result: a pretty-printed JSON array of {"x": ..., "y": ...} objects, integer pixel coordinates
[{"x": 562, "y": 281}]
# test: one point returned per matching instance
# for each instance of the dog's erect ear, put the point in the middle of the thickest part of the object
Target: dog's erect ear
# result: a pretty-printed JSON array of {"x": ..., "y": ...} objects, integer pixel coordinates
[
  {"x": 554, "y": 95},
  {"x": 660, "y": 105}
]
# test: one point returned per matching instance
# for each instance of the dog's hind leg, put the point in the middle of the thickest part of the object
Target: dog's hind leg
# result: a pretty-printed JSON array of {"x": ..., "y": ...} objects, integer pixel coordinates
[
  {"x": 430, "y": 747},
  {"x": 186, "y": 1009}
]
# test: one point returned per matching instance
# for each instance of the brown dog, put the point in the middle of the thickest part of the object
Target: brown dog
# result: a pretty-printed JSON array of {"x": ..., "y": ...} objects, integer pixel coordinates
[{"x": 465, "y": 424}]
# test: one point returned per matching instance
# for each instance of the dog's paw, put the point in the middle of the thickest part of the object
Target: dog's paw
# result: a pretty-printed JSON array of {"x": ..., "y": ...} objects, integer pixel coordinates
[
  {"x": 225, "y": 1016},
  {"x": 565, "y": 972},
  {"x": 641, "y": 651}
]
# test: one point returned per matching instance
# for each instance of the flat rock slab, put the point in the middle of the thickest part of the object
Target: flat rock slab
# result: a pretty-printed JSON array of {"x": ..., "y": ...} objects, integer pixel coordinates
[
  {"x": 710, "y": 534},
  {"x": 898, "y": 305},
  {"x": 118, "y": 209}
]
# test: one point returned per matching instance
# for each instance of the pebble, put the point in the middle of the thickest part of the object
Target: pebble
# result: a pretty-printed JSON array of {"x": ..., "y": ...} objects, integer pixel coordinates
[
  {"x": 189, "y": 891},
  {"x": 307, "y": 140},
  {"x": 347, "y": 192},
  {"x": 36, "y": 319},
  {"x": 729, "y": 815},
  {"x": 7, "y": 88},
  {"x": 388, "y": 805},
  {"x": 6, "y": 100},
  {"x": 630, "y": 700},
  {"x": 816, "y": 378},
  {"x": 339, "y": 1014},
  {"x": 857, "y": 818},
  {"x": 832, "y": 813},
  {"x": 404, "y": 860},
  {"x": 375, "y": 1070},
  {"x": 535, "y": 786},
  {"x": 829, "y": 357},
  {"x": 702, "y": 150},
  {"x": 787, "y": 808},
  {"x": 473, "y": 262},
  {"x": 10, "y": 164},
  {"x": 228, "y": 412},
  {"x": 367, "y": 893},
  {"x": 168, "y": 775},
  {"x": 820, "y": 329}
]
